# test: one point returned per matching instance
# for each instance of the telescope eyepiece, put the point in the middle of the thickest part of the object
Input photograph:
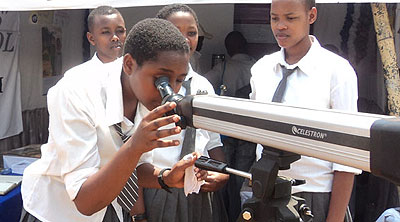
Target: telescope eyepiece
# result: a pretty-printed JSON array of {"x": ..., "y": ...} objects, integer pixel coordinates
[
  {"x": 168, "y": 95},
  {"x": 162, "y": 84}
]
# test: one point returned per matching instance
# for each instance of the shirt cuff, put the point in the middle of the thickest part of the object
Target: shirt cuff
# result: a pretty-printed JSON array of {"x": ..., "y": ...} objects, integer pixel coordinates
[
  {"x": 145, "y": 158},
  {"x": 342, "y": 168}
]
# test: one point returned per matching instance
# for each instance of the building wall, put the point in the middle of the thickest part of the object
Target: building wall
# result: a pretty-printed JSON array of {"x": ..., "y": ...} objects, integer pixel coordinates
[
  {"x": 368, "y": 67},
  {"x": 30, "y": 55}
]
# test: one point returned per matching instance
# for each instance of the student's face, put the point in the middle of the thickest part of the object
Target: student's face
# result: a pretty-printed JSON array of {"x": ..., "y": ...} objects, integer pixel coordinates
[
  {"x": 108, "y": 36},
  {"x": 186, "y": 24},
  {"x": 141, "y": 79},
  {"x": 290, "y": 22}
]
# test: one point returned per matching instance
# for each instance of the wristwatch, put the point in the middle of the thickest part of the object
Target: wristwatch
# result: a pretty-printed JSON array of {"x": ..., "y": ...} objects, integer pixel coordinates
[
  {"x": 140, "y": 217},
  {"x": 161, "y": 180}
]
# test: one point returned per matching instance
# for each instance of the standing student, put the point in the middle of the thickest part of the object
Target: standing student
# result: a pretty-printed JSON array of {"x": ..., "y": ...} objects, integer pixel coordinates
[
  {"x": 85, "y": 163},
  {"x": 318, "y": 79},
  {"x": 162, "y": 206},
  {"x": 106, "y": 33},
  {"x": 232, "y": 78}
]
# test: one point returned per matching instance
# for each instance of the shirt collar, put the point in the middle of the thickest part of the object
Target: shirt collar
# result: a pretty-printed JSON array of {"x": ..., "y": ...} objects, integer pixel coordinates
[
  {"x": 307, "y": 63},
  {"x": 190, "y": 73},
  {"x": 141, "y": 112},
  {"x": 95, "y": 59}
]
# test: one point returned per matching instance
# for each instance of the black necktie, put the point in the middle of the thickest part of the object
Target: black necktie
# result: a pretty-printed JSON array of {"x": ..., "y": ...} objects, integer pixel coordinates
[
  {"x": 190, "y": 133},
  {"x": 280, "y": 90},
  {"x": 129, "y": 194}
]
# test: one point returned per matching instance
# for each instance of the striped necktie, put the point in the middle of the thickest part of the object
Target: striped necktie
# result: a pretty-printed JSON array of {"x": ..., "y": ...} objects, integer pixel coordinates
[
  {"x": 129, "y": 194},
  {"x": 280, "y": 90}
]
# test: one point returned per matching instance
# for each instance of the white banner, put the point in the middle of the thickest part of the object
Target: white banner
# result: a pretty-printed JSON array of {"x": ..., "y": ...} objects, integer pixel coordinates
[{"x": 10, "y": 84}]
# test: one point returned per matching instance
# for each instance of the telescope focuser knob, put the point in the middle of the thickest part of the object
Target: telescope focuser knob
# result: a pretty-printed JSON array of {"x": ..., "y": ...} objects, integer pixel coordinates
[
  {"x": 247, "y": 214},
  {"x": 306, "y": 211},
  {"x": 297, "y": 182}
]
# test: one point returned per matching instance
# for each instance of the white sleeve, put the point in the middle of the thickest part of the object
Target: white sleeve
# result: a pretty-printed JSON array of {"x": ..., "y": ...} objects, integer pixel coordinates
[
  {"x": 74, "y": 137},
  {"x": 344, "y": 95},
  {"x": 146, "y": 158},
  {"x": 253, "y": 92},
  {"x": 344, "y": 92},
  {"x": 255, "y": 72},
  {"x": 342, "y": 168},
  {"x": 214, "y": 141}
]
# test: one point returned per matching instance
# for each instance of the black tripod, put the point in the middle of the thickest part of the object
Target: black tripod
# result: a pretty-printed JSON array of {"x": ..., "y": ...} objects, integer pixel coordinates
[{"x": 272, "y": 199}]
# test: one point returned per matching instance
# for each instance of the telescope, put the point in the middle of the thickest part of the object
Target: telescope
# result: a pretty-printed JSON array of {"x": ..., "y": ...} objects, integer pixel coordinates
[{"x": 368, "y": 142}]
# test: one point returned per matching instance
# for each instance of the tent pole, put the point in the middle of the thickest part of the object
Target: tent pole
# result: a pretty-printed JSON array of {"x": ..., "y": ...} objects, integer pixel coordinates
[{"x": 385, "y": 41}]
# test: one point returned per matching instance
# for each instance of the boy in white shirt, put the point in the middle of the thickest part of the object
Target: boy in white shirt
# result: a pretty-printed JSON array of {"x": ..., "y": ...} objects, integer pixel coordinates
[{"x": 106, "y": 34}]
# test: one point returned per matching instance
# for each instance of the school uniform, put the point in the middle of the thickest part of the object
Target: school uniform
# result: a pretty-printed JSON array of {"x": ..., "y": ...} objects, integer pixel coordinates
[
  {"x": 83, "y": 107},
  {"x": 162, "y": 206},
  {"x": 322, "y": 80}
]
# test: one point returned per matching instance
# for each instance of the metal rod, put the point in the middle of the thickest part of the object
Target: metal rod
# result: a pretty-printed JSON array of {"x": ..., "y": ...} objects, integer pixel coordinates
[{"x": 239, "y": 173}]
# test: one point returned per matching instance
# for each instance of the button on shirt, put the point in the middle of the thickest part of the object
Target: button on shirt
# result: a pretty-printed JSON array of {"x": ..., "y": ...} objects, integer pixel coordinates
[
  {"x": 83, "y": 106},
  {"x": 323, "y": 80},
  {"x": 205, "y": 140}
]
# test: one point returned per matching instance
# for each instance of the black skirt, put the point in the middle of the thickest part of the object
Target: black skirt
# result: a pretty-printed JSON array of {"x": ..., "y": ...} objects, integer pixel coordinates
[{"x": 110, "y": 216}]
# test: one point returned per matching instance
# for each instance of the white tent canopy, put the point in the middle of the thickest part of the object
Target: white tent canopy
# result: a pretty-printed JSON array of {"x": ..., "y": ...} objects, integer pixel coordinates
[{"x": 33, "y": 5}]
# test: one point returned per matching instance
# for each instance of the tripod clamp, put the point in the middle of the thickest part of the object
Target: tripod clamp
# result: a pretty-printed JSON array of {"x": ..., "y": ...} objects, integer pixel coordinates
[{"x": 272, "y": 200}]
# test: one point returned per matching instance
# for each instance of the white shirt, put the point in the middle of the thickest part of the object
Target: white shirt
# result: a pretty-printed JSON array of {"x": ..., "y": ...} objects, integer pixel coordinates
[
  {"x": 322, "y": 80},
  {"x": 83, "y": 106},
  {"x": 205, "y": 140},
  {"x": 236, "y": 75},
  {"x": 88, "y": 66}
]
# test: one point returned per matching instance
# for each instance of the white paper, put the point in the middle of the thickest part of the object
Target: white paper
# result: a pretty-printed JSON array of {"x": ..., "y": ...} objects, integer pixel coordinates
[{"x": 191, "y": 184}]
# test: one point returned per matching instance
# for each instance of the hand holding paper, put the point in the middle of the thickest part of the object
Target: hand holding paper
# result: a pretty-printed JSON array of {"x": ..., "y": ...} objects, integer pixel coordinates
[{"x": 191, "y": 184}]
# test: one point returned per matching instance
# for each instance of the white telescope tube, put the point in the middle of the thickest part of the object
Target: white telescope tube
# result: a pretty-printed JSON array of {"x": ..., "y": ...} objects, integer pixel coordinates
[{"x": 365, "y": 141}]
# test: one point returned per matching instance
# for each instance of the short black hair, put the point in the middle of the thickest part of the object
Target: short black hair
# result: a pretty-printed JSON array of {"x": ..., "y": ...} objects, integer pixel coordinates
[
  {"x": 150, "y": 36},
  {"x": 101, "y": 10},
  {"x": 235, "y": 38},
  {"x": 168, "y": 10},
  {"x": 309, "y": 4}
]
